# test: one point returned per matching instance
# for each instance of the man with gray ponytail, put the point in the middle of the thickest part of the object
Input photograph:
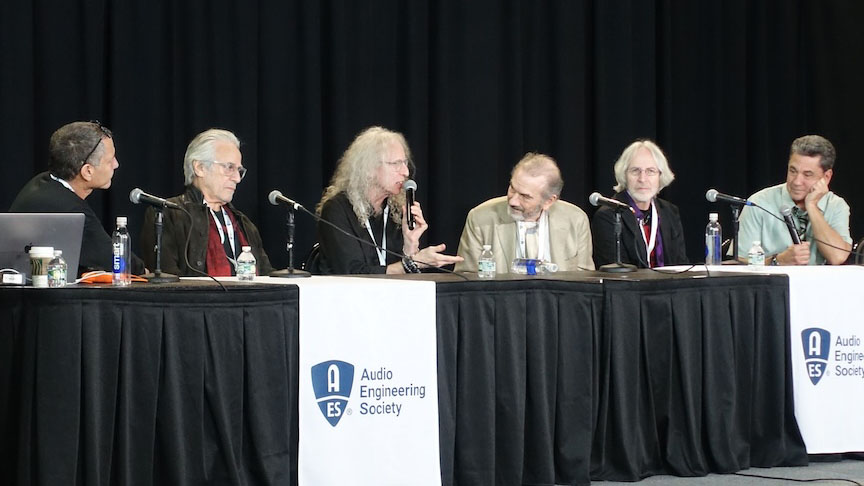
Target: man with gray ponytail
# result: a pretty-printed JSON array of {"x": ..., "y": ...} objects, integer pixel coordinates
[{"x": 213, "y": 168}]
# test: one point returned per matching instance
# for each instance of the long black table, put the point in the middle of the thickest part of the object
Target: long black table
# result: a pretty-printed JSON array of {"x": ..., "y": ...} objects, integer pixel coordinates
[{"x": 541, "y": 381}]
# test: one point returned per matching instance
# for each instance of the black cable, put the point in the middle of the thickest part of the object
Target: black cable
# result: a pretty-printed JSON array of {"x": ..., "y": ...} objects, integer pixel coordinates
[
  {"x": 369, "y": 243},
  {"x": 815, "y": 480}
]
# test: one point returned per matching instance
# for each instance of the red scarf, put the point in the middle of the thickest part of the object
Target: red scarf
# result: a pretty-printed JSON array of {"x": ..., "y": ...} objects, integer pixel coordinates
[{"x": 217, "y": 261}]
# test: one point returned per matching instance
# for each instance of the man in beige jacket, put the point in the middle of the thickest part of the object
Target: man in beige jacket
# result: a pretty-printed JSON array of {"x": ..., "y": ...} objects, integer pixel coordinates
[{"x": 529, "y": 222}]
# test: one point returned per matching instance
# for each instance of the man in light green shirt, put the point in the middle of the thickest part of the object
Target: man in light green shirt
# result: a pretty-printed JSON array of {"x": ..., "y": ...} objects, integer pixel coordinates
[{"x": 821, "y": 217}]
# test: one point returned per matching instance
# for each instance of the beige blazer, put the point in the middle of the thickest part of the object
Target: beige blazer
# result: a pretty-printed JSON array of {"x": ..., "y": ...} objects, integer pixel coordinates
[{"x": 491, "y": 224}]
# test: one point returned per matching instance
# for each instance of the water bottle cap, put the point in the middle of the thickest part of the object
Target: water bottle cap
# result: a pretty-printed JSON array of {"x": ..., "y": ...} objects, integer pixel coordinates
[
  {"x": 247, "y": 248},
  {"x": 487, "y": 247},
  {"x": 712, "y": 216},
  {"x": 757, "y": 243},
  {"x": 121, "y": 220},
  {"x": 58, "y": 253}
]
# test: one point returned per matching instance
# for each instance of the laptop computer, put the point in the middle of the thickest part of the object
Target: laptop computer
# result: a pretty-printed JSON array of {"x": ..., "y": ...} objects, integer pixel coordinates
[{"x": 20, "y": 231}]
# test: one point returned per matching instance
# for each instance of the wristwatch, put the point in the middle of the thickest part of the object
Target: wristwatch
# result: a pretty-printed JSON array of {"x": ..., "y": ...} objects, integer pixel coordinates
[{"x": 774, "y": 261}]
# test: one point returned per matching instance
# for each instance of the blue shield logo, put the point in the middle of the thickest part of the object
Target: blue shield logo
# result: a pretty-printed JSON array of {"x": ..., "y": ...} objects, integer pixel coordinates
[
  {"x": 817, "y": 345},
  {"x": 332, "y": 382}
]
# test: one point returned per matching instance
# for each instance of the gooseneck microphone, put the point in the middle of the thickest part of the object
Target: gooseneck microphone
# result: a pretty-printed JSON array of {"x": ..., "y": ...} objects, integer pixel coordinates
[
  {"x": 596, "y": 199},
  {"x": 713, "y": 196},
  {"x": 410, "y": 186},
  {"x": 786, "y": 211},
  {"x": 137, "y": 196}
]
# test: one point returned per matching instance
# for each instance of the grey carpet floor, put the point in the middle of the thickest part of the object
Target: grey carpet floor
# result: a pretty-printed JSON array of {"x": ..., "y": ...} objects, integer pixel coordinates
[{"x": 844, "y": 473}]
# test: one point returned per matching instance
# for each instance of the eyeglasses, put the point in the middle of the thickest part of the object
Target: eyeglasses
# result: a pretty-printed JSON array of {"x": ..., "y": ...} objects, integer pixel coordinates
[
  {"x": 106, "y": 133},
  {"x": 395, "y": 164},
  {"x": 636, "y": 172},
  {"x": 229, "y": 168}
]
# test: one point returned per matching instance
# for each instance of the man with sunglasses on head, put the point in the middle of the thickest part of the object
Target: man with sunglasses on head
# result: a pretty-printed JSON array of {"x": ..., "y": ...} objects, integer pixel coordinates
[
  {"x": 213, "y": 168},
  {"x": 820, "y": 216},
  {"x": 82, "y": 159}
]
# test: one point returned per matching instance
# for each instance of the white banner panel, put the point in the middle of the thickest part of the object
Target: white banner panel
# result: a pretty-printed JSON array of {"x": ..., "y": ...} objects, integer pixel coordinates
[
  {"x": 827, "y": 353},
  {"x": 368, "y": 398}
]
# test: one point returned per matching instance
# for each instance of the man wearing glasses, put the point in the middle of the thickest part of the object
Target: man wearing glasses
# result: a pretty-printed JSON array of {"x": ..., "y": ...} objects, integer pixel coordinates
[
  {"x": 652, "y": 236},
  {"x": 821, "y": 217},
  {"x": 213, "y": 168},
  {"x": 82, "y": 159},
  {"x": 529, "y": 222}
]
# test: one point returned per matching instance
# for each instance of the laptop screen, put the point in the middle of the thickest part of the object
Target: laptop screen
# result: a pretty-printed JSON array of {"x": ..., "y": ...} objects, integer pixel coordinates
[{"x": 20, "y": 231}]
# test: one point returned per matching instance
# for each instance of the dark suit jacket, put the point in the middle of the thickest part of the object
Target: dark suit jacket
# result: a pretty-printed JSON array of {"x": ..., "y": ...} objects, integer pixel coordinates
[
  {"x": 45, "y": 195},
  {"x": 176, "y": 226},
  {"x": 341, "y": 254},
  {"x": 632, "y": 244}
]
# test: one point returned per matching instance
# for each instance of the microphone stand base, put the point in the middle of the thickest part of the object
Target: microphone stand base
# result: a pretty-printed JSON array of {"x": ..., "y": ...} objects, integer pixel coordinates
[
  {"x": 160, "y": 277},
  {"x": 290, "y": 273},
  {"x": 617, "y": 268}
]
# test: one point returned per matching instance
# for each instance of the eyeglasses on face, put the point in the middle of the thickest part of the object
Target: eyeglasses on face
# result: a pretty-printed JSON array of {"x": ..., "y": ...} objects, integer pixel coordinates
[
  {"x": 396, "y": 164},
  {"x": 230, "y": 168},
  {"x": 106, "y": 133},
  {"x": 636, "y": 172}
]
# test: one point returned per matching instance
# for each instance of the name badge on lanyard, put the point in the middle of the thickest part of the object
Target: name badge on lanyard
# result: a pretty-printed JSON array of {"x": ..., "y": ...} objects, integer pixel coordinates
[
  {"x": 229, "y": 228},
  {"x": 381, "y": 249}
]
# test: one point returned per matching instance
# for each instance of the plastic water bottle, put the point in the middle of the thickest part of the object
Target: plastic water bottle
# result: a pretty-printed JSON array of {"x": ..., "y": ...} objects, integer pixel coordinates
[
  {"x": 532, "y": 266},
  {"x": 246, "y": 265},
  {"x": 57, "y": 270},
  {"x": 486, "y": 263},
  {"x": 756, "y": 255},
  {"x": 713, "y": 241},
  {"x": 122, "y": 250}
]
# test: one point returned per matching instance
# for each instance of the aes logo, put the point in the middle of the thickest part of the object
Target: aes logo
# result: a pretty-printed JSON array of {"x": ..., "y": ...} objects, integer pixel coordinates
[
  {"x": 817, "y": 344},
  {"x": 332, "y": 381}
]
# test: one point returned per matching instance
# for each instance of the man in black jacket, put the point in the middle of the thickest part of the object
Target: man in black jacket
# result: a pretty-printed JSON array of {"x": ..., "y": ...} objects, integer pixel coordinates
[
  {"x": 651, "y": 235},
  {"x": 82, "y": 159},
  {"x": 217, "y": 231}
]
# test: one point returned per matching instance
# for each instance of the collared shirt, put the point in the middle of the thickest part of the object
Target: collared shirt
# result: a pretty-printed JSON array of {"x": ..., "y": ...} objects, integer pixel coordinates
[{"x": 772, "y": 232}]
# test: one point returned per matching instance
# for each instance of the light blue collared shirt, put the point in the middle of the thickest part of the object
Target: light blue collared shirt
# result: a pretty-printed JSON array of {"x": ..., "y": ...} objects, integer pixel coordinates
[{"x": 772, "y": 232}]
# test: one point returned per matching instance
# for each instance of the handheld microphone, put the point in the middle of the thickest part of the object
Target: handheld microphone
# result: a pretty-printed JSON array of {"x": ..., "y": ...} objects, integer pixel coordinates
[
  {"x": 713, "y": 196},
  {"x": 410, "y": 186},
  {"x": 786, "y": 211},
  {"x": 597, "y": 199},
  {"x": 137, "y": 196},
  {"x": 276, "y": 197}
]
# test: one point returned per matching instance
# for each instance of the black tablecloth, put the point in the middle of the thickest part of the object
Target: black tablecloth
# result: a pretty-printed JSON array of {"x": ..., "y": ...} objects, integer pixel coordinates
[
  {"x": 135, "y": 386},
  {"x": 541, "y": 381},
  {"x": 551, "y": 382}
]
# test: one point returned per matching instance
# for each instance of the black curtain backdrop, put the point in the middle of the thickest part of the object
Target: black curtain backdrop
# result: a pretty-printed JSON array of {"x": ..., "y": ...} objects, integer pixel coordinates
[{"x": 724, "y": 87}]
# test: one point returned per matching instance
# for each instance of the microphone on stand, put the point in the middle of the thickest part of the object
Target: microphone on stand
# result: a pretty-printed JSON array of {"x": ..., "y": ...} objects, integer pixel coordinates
[
  {"x": 597, "y": 199},
  {"x": 138, "y": 196},
  {"x": 275, "y": 197},
  {"x": 713, "y": 196},
  {"x": 618, "y": 267},
  {"x": 410, "y": 187}
]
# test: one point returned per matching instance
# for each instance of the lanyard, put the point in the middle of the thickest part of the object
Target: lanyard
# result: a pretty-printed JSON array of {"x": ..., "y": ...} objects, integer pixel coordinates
[
  {"x": 229, "y": 228},
  {"x": 382, "y": 248},
  {"x": 649, "y": 244}
]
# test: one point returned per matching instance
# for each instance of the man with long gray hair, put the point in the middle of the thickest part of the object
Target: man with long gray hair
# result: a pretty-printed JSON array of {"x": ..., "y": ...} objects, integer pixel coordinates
[
  {"x": 821, "y": 217},
  {"x": 366, "y": 199},
  {"x": 213, "y": 168},
  {"x": 655, "y": 236},
  {"x": 82, "y": 159}
]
